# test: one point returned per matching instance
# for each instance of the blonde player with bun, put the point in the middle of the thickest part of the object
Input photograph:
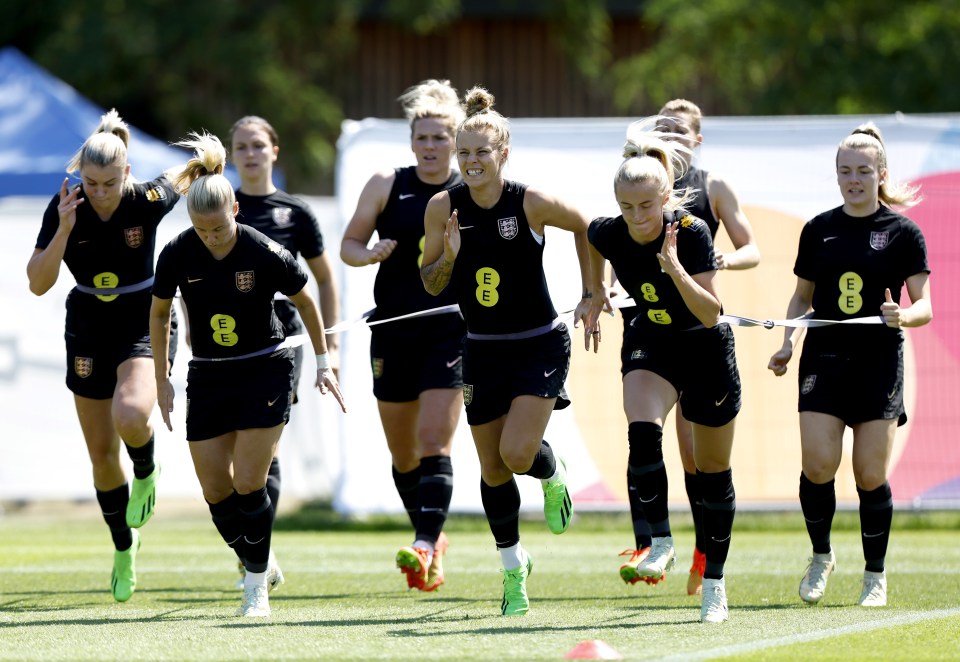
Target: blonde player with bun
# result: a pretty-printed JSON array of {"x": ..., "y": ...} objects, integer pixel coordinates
[
  {"x": 104, "y": 230},
  {"x": 240, "y": 380}
]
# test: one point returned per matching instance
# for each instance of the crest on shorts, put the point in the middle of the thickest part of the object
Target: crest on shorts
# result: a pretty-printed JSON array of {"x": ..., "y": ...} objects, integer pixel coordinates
[
  {"x": 133, "y": 236},
  {"x": 638, "y": 354},
  {"x": 281, "y": 216},
  {"x": 507, "y": 227},
  {"x": 377, "y": 365},
  {"x": 467, "y": 394},
  {"x": 807, "y": 384},
  {"x": 245, "y": 281},
  {"x": 879, "y": 240},
  {"x": 156, "y": 194},
  {"x": 83, "y": 366}
]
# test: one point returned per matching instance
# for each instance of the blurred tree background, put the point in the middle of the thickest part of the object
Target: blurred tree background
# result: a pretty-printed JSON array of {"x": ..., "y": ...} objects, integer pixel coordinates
[{"x": 171, "y": 66}]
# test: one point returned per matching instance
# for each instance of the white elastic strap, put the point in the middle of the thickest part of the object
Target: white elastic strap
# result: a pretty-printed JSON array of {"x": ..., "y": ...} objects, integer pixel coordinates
[{"x": 323, "y": 361}]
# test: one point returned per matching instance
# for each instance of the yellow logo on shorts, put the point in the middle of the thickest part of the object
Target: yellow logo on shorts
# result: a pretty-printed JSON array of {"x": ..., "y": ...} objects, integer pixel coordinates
[
  {"x": 467, "y": 394},
  {"x": 377, "y": 365},
  {"x": 83, "y": 366}
]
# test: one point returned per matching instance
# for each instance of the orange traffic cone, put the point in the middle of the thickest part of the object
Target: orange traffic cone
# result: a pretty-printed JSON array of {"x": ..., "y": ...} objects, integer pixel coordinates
[{"x": 593, "y": 650}]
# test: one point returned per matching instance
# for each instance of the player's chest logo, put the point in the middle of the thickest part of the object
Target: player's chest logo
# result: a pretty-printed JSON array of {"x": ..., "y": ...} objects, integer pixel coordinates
[
  {"x": 245, "y": 281},
  {"x": 507, "y": 227},
  {"x": 282, "y": 216},
  {"x": 879, "y": 240},
  {"x": 133, "y": 237}
]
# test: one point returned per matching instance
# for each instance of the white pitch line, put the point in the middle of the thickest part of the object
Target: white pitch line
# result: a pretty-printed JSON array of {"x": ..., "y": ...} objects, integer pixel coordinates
[{"x": 804, "y": 637}]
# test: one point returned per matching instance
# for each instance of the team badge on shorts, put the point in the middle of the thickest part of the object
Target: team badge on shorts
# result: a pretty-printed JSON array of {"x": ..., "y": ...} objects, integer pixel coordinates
[
  {"x": 807, "y": 385},
  {"x": 879, "y": 240},
  {"x": 467, "y": 394},
  {"x": 638, "y": 354},
  {"x": 281, "y": 216},
  {"x": 83, "y": 366},
  {"x": 245, "y": 281},
  {"x": 156, "y": 194},
  {"x": 377, "y": 365},
  {"x": 507, "y": 227},
  {"x": 133, "y": 237}
]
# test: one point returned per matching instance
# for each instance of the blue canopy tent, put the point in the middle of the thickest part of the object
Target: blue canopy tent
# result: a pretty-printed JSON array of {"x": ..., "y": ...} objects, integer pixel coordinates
[{"x": 43, "y": 121}]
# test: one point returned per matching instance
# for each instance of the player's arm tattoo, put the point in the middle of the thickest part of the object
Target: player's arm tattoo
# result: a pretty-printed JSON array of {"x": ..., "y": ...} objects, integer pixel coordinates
[{"x": 436, "y": 276}]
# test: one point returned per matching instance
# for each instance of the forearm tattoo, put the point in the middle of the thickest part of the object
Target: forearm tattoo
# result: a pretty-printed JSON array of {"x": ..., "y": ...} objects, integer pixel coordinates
[{"x": 436, "y": 276}]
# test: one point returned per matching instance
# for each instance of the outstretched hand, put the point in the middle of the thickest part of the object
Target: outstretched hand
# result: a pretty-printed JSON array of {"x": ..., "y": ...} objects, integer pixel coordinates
[
  {"x": 327, "y": 383},
  {"x": 165, "y": 401},
  {"x": 669, "y": 261},
  {"x": 588, "y": 311},
  {"x": 451, "y": 238}
]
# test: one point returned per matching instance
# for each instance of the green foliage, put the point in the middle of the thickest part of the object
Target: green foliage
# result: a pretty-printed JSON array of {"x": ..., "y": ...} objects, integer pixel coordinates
[{"x": 767, "y": 57}]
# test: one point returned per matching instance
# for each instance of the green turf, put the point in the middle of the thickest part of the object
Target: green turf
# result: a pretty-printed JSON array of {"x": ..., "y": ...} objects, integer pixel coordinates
[{"x": 344, "y": 600}]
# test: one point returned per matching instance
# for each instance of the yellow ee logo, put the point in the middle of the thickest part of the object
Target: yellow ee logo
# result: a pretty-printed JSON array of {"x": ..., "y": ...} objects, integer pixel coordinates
[
  {"x": 850, "y": 300},
  {"x": 649, "y": 292},
  {"x": 659, "y": 316},
  {"x": 106, "y": 281},
  {"x": 423, "y": 241},
  {"x": 487, "y": 281},
  {"x": 223, "y": 327}
]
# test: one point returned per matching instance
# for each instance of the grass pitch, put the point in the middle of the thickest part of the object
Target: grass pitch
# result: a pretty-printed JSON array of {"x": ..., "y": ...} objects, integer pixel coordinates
[{"x": 344, "y": 600}]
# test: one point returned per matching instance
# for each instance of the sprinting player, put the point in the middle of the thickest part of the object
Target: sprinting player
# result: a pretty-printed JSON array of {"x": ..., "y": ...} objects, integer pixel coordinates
[
  {"x": 675, "y": 350},
  {"x": 417, "y": 362},
  {"x": 240, "y": 381},
  {"x": 485, "y": 240},
  {"x": 715, "y": 203},
  {"x": 104, "y": 230},
  {"x": 290, "y": 222},
  {"x": 853, "y": 261}
]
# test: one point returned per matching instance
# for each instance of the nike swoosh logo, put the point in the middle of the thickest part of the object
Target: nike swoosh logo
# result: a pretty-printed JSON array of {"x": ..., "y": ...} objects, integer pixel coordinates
[
  {"x": 270, "y": 403},
  {"x": 404, "y": 196},
  {"x": 431, "y": 510},
  {"x": 721, "y": 400},
  {"x": 547, "y": 374},
  {"x": 715, "y": 540},
  {"x": 193, "y": 280},
  {"x": 454, "y": 362},
  {"x": 891, "y": 394},
  {"x": 642, "y": 500},
  {"x": 873, "y": 535},
  {"x": 84, "y": 241},
  {"x": 826, "y": 239},
  {"x": 464, "y": 227}
]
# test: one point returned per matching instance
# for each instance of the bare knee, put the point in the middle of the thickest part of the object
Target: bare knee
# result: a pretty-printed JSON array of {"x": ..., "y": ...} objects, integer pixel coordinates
[
  {"x": 870, "y": 478},
  {"x": 132, "y": 424},
  {"x": 516, "y": 460}
]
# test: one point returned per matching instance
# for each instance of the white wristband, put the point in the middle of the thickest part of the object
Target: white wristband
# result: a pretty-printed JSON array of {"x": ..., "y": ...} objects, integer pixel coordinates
[{"x": 323, "y": 361}]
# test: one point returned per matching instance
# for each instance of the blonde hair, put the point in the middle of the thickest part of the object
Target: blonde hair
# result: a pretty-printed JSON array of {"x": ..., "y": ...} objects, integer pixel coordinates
[
  {"x": 691, "y": 110},
  {"x": 107, "y": 146},
  {"x": 867, "y": 136},
  {"x": 201, "y": 179},
  {"x": 482, "y": 118},
  {"x": 647, "y": 157},
  {"x": 432, "y": 99}
]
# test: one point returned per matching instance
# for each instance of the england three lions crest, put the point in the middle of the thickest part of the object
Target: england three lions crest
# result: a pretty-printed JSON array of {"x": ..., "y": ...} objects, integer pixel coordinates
[
  {"x": 83, "y": 366},
  {"x": 879, "y": 240},
  {"x": 245, "y": 281},
  {"x": 133, "y": 237},
  {"x": 508, "y": 227},
  {"x": 281, "y": 216}
]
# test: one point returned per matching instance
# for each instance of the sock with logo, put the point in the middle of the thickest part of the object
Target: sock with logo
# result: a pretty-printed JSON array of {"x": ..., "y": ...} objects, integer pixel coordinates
[
  {"x": 433, "y": 497},
  {"x": 226, "y": 517},
  {"x": 501, "y": 504},
  {"x": 819, "y": 504},
  {"x": 876, "y": 516},
  {"x": 408, "y": 487},
  {"x": 256, "y": 517},
  {"x": 113, "y": 507},
  {"x": 648, "y": 474},
  {"x": 641, "y": 527},
  {"x": 719, "y": 507}
]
